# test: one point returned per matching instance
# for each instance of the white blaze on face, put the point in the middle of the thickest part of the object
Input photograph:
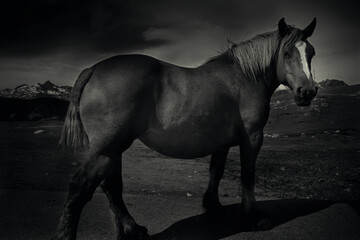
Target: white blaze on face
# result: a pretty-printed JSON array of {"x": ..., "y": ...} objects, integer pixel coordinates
[{"x": 301, "y": 46}]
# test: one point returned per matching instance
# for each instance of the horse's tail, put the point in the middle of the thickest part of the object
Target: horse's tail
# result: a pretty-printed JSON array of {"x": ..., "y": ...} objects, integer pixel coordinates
[{"x": 73, "y": 132}]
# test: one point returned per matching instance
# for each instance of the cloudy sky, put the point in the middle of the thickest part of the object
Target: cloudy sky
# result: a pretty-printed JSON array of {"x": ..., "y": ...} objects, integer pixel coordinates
[{"x": 55, "y": 39}]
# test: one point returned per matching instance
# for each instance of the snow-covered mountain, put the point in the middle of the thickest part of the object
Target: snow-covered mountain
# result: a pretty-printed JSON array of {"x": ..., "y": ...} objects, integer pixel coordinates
[{"x": 39, "y": 90}]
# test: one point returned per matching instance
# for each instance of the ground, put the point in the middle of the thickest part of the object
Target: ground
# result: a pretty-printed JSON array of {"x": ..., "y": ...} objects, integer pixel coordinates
[{"x": 307, "y": 182}]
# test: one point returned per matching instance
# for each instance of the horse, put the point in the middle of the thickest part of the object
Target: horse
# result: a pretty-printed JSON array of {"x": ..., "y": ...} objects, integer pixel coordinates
[{"x": 182, "y": 113}]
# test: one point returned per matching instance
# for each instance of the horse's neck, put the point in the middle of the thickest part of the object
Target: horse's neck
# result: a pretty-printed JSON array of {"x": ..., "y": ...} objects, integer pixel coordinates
[
  {"x": 227, "y": 70},
  {"x": 257, "y": 59},
  {"x": 270, "y": 81}
]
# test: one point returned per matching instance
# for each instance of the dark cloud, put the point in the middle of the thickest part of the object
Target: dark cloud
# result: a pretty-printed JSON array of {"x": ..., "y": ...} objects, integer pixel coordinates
[
  {"x": 31, "y": 27},
  {"x": 43, "y": 35},
  {"x": 37, "y": 27}
]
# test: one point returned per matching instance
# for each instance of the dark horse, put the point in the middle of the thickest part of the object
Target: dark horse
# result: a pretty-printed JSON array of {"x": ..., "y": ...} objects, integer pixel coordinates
[{"x": 180, "y": 112}]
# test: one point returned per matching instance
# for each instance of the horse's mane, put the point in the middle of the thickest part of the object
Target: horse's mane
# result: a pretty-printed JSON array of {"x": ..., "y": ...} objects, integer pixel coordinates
[{"x": 255, "y": 56}]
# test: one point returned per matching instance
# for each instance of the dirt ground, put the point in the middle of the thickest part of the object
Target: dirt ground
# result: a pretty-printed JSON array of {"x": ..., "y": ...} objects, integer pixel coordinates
[{"x": 308, "y": 184}]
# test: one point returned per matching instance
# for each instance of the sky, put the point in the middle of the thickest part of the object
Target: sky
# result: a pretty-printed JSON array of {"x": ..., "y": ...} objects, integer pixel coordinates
[{"x": 55, "y": 39}]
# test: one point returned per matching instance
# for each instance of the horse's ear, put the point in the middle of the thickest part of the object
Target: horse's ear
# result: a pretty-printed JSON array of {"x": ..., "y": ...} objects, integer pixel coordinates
[
  {"x": 308, "y": 31},
  {"x": 283, "y": 27}
]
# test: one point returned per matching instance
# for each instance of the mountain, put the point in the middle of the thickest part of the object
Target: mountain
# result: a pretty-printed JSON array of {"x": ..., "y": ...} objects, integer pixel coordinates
[
  {"x": 331, "y": 83},
  {"x": 39, "y": 90}
]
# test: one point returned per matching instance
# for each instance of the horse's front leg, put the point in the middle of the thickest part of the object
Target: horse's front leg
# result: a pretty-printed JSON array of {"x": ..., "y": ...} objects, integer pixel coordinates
[{"x": 249, "y": 149}]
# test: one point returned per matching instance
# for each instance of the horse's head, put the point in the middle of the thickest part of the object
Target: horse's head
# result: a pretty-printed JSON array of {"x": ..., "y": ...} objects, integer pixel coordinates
[{"x": 294, "y": 62}]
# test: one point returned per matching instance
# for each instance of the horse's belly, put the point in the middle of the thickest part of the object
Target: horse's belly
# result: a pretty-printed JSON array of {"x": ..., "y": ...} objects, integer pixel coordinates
[{"x": 188, "y": 142}]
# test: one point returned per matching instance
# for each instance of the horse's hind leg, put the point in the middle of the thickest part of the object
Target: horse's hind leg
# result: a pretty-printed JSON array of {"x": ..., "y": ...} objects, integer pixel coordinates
[
  {"x": 126, "y": 227},
  {"x": 211, "y": 201},
  {"x": 81, "y": 189}
]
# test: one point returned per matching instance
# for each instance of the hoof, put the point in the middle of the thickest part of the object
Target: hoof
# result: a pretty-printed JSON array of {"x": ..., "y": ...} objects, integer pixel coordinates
[
  {"x": 212, "y": 206},
  {"x": 136, "y": 233}
]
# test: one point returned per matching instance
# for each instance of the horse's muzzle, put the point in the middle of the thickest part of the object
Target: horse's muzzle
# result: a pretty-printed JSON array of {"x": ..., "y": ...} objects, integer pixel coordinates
[{"x": 304, "y": 96}]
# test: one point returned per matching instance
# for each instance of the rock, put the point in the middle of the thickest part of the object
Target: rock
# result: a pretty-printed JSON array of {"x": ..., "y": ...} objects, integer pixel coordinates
[
  {"x": 324, "y": 104},
  {"x": 39, "y": 131},
  {"x": 307, "y": 114},
  {"x": 337, "y": 131},
  {"x": 275, "y": 135},
  {"x": 189, "y": 194},
  {"x": 303, "y": 134},
  {"x": 315, "y": 106}
]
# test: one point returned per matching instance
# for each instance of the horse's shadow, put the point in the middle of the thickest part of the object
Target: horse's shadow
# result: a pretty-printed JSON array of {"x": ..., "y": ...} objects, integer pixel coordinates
[{"x": 201, "y": 227}]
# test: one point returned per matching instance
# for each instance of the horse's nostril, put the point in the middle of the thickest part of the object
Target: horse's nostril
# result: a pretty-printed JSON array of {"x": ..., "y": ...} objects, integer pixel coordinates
[
  {"x": 299, "y": 91},
  {"x": 316, "y": 90}
]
